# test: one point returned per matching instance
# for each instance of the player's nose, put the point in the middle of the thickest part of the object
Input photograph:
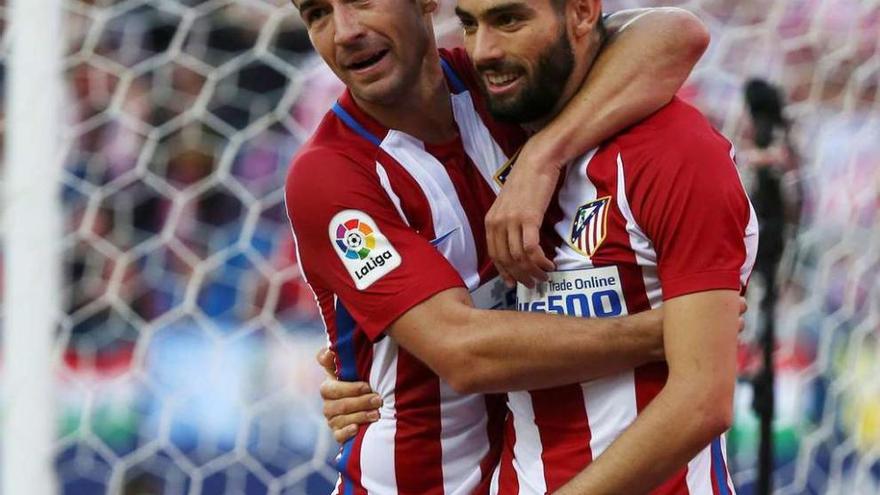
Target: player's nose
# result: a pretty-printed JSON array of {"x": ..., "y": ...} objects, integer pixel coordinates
[
  {"x": 347, "y": 26},
  {"x": 485, "y": 47}
]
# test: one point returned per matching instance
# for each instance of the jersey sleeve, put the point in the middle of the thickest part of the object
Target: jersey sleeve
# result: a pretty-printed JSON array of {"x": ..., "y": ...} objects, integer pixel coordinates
[
  {"x": 353, "y": 242},
  {"x": 690, "y": 201}
]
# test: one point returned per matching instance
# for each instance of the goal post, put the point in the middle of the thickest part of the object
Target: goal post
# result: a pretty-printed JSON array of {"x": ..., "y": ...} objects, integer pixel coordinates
[{"x": 31, "y": 240}]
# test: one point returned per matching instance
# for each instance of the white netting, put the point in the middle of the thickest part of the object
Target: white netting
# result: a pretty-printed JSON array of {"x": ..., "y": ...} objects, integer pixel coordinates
[
  {"x": 826, "y": 56},
  {"x": 185, "y": 361}
]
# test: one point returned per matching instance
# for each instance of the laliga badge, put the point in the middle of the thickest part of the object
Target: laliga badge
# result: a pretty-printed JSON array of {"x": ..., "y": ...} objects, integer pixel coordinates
[{"x": 366, "y": 254}]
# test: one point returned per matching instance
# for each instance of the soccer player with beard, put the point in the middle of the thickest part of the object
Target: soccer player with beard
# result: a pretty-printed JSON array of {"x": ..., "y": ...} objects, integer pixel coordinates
[
  {"x": 387, "y": 201},
  {"x": 654, "y": 216}
]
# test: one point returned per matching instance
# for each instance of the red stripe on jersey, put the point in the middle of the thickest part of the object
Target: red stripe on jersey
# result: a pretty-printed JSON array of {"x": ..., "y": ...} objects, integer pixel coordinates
[
  {"x": 549, "y": 239},
  {"x": 716, "y": 490},
  {"x": 562, "y": 423},
  {"x": 649, "y": 379},
  {"x": 417, "y": 449},
  {"x": 602, "y": 172},
  {"x": 353, "y": 468},
  {"x": 496, "y": 409},
  {"x": 676, "y": 485},
  {"x": 328, "y": 310},
  {"x": 473, "y": 192},
  {"x": 507, "y": 480},
  {"x": 364, "y": 356},
  {"x": 412, "y": 199}
]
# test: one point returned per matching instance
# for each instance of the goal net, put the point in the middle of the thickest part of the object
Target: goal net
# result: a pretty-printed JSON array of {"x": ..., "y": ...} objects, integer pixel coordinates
[{"x": 184, "y": 361}]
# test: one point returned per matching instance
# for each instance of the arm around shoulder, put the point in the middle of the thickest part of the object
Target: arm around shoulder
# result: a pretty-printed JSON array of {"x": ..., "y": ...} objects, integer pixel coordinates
[{"x": 648, "y": 55}]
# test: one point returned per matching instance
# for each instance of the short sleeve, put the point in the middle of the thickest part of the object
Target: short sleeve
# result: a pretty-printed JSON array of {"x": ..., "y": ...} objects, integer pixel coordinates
[
  {"x": 690, "y": 201},
  {"x": 353, "y": 242}
]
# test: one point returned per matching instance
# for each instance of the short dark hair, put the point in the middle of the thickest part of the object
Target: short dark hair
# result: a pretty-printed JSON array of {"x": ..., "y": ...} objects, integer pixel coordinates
[{"x": 600, "y": 27}]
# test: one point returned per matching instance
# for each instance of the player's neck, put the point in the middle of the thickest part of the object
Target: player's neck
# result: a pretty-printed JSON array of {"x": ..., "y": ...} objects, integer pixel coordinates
[
  {"x": 576, "y": 80},
  {"x": 567, "y": 94},
  {"x": 423, "y": 111}
]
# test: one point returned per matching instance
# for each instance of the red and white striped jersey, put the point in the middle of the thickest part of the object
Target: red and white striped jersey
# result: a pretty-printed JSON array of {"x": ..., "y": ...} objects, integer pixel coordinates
[
  {"x": 655, "y": 213},
  {"x": 384, "y": 221}
]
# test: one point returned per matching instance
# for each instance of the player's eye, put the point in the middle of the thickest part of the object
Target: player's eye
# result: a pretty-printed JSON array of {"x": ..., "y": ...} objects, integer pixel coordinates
[
  {"x": 314, "y": 14},
  {"x": 507, "y": 21},
  {"x": 469, "y": 25}
]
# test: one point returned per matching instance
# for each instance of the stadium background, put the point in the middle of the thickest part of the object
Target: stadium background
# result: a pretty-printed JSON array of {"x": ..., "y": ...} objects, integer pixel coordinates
[{"x": 184, "y": 363}]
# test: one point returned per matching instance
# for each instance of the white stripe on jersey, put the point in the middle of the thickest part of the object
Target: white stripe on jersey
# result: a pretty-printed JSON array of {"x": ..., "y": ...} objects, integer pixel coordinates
[
  {"x": 446, "y": 209},
  {"x": 698, "y": 482},
  {"x": 751, "y": 237},
  {"x": 751, "y": 240},
  {"x": 386, "y": 184},
  {"x": 611, "y": 401},
  {"x": 494, "y": 486},
  {"x": 464, "y": 440},
  {"x": 611, "y": 408},
  {"x": 377, "y": 460},
  {"x": 527, "y": 449},
  {"x": 646, "y": 257},
  {"x": 462, "y": 454},
  {"x": 477, "y": 141}
]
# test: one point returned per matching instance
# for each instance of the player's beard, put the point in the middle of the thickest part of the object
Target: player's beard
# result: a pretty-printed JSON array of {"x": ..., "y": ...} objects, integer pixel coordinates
[{"x": 542, "y": 89}]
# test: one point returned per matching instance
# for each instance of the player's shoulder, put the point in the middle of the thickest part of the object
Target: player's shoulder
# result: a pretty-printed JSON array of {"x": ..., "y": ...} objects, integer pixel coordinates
[
  {"x": 678, "y": 130},
  {"x": 461, "y": 64},
  {"x": 330, "y": 155},
  {"x": 672, "y": 124}
]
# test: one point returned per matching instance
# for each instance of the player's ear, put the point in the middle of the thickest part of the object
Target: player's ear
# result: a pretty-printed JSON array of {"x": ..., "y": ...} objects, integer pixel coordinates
[
  {"x": 583, "y": 16},
  {"x": 428, "y": 6}
]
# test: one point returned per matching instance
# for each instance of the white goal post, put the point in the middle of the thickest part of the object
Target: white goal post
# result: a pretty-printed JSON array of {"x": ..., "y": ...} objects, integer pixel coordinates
[{"x": 31, "y": 237}]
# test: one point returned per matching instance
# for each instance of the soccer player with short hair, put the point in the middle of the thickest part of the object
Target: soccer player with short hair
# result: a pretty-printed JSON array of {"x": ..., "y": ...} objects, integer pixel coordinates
[
  {"x": 654, "y": 216},
  {"x": 386, "y": 201}
]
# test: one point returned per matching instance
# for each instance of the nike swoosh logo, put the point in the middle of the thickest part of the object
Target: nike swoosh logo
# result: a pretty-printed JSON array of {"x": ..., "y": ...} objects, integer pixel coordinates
[{"x": 436, "y": 242}]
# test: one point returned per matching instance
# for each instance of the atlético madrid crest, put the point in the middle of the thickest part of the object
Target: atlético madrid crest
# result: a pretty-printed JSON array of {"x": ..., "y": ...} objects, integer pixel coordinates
[{"x": 588, "y": 228}]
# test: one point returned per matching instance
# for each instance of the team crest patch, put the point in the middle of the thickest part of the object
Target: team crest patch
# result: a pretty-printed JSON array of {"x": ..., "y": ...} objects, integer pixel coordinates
[
  {"x": 588, "y": 229},
  {"x": 502, "y": 173},
  {"x": 366, "y": 254}
]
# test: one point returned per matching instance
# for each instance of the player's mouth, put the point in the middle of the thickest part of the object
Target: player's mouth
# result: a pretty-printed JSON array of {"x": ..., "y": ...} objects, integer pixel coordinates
[
  {"x": 366, "y": 63},
  {"x": 500, "y": 83}
]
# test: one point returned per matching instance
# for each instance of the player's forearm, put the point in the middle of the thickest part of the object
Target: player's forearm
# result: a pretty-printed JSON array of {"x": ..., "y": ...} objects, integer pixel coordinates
[
  {"x": 649, "y": 55},
  {"x": 695, "y": 405},
  {"x": 678, "y": 424},
  {"x": 505, "y": 351}
]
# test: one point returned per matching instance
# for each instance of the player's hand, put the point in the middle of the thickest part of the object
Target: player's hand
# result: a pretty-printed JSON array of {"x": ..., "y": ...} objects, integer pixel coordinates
[
  {"x": 513, "y": 223},
  {"x": 347, "y": 405},
  {"x": 743, "y": 307},
  {"x": 326, "y": 359}
]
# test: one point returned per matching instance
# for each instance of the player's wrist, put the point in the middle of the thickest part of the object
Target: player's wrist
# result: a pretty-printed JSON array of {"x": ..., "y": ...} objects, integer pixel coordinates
[
  {"x": 649, "y": 327},
  {"x": 546, "y": 153}
]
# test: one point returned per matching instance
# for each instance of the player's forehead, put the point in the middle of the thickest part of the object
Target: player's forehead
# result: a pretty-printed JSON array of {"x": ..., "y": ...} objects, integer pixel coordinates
[
  {"x": 304, "y": 4},
  {"x": 482, "y": 8}
]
